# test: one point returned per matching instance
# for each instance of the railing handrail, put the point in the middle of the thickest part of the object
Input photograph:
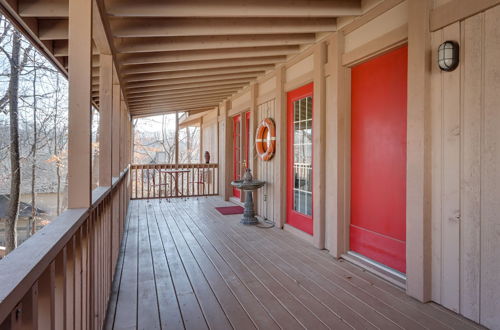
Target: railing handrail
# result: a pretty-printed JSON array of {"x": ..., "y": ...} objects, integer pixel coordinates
[{"x": 21, "y": 268}]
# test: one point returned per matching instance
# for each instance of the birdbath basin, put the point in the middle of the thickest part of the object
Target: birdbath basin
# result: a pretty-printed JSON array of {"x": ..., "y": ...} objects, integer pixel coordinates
[{"x": 248, "y": 185}]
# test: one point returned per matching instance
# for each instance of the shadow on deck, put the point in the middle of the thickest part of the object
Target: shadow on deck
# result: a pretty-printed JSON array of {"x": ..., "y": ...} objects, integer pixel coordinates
[{"x": 183, "y": 265}]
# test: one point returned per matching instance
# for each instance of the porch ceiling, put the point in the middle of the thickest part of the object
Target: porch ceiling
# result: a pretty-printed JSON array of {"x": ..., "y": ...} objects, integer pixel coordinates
[{"x": 185, "y": 54}]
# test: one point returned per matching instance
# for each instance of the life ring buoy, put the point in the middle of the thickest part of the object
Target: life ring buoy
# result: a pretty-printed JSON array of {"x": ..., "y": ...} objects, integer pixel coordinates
[{"x": 265, "y": 141}]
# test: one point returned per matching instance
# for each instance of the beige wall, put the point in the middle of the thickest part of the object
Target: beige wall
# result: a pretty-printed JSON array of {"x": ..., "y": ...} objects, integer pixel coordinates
[
  {"x": 461, "y": 230},
  {"x": 209, "y": 141},
  {"x": 465, "y": 107}
]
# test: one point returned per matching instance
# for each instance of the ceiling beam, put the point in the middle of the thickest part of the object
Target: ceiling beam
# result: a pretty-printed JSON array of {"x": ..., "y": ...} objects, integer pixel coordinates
[
  {"x": 233, "y": 8},
  {"x": 196, "y": 73},
  {"x": 240, "y": 82},
  {"x": 198, "y": 65},
  {"x": 159, "y": 44},
  {"x": 47, "y": 8},
  {"x": 61, "y": 48},
  {"x": 171, "y": 27},
  {"x": 53, "y": 29},
  {"x": 207, "y": 54},
  {"x": 183, "y": 93},
  {"x": 202, "y": 8},
  {"x": 176, "y": 81},
  {"x": 210, "y": 89},
  {"x": 179, "y": 98},
  {"x": 201, "y": 103},
  {"x": 146, "y": 113}
]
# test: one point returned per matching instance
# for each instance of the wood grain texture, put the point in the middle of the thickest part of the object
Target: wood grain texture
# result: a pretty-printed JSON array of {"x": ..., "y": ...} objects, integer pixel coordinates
[{"x": 259, "y": 278}]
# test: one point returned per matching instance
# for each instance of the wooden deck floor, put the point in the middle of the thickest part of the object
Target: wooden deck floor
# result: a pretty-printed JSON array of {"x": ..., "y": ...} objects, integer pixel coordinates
[{"x": 183, "y": 265}]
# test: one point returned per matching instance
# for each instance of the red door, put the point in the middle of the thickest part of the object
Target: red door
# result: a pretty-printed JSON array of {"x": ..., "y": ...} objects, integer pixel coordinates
[
  {"x": 378, "y": 159},
  {"x": 247, "y": 139},
  {"x": 238, "y": 162},
  {"x": 299, "y": 168},
  {"x": 236, "y": 152}
]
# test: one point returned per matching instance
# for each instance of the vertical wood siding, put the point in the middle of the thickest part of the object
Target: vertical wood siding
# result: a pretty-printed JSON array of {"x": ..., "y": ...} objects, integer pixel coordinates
[
  {"x": 266, "y": 208},
  {"x": 465, "y": 177}
]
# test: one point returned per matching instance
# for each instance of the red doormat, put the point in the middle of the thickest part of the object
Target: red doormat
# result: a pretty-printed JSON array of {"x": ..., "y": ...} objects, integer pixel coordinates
[{"x": 227, "y": 210}]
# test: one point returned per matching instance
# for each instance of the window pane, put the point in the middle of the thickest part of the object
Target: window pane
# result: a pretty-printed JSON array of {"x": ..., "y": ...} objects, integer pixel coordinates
[{"x": 302, "y": 157}]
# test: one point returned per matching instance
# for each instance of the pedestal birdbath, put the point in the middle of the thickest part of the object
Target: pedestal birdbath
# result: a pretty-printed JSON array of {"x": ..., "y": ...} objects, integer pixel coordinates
[{"x": 248, "y": 185}]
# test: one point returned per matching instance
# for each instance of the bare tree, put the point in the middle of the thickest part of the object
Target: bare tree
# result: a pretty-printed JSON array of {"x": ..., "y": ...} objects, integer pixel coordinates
[{"x": 16, "y": 66}]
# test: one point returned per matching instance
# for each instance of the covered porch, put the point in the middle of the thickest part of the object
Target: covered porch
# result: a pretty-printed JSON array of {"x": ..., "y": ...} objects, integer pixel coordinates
[
  {"x": 184, "y": 265},
  {"x": 381, "y": 166}
]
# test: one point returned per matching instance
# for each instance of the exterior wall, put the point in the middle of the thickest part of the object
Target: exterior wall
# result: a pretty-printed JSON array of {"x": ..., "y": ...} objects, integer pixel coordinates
[
  {"x": 454, "y": 235},
  {"x": 209, "y": 136},
  {"x": 266, "y": 170},
  {"x": 465, "y": 171}
]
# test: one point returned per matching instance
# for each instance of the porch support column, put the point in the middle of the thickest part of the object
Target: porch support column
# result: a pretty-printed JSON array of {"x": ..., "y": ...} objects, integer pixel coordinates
[
  {"x": 115, "y": 152},
  {"x": 319, "y": 146},
  {"x": 79, "y": 101},
  {"x": 176, "y": 138},
  {"x": 106, "y": 119},
  {"x": 418, "y": 184},
  {"x": 252, "y": 156},
  {"x": 337, "y": 177},
  {"x": 226, "y": 151},
  {"x": 123, "y": 111},
  {"x": 201, "y": 141},
  {"x": 280, "y": 156}
]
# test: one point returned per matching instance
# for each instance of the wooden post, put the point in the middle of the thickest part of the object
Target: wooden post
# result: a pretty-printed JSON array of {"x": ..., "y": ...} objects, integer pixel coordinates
[
  {"x": 228, "y": 151},
  {"x": 252, "y": 161},
  {"x": 123, "y": 109},
  {"x": 115, "y": 136},
  {"x": 319, "y": 146},
  {"x": 201, "y": 141},
  {"x": 79, "y": 101},
  {"x": 418, "y": 181},
  {"x": 106, "y": 119},
  {"x": 280, "y": 162},
  {"x": 176, "y": 138},
  {"x": 336, "y": 177}
]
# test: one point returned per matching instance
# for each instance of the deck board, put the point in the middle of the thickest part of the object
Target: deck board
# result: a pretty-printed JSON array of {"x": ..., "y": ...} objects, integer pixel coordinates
[{"x": 183, "y": 265}]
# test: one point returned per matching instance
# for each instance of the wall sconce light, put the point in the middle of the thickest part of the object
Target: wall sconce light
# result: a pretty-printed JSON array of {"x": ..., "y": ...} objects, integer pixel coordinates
[{"x": 448, "y": 53}]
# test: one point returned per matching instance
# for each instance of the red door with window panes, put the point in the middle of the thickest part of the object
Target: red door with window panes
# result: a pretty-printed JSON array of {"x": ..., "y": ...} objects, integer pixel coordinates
[{"x": 299, "y": 158}]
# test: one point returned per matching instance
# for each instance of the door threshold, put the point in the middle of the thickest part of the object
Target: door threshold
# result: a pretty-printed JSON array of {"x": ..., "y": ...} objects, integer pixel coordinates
[{"x": 387, "y": 273}]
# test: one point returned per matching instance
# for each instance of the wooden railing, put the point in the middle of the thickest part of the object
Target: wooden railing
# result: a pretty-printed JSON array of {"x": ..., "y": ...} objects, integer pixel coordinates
[
  {"x": 61, "y": 277},
  {"x": 169, "y": 180}
]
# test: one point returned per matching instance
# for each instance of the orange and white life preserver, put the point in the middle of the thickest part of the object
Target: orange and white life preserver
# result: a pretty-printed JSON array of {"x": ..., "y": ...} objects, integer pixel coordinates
[{"x": 265, "y": 139}]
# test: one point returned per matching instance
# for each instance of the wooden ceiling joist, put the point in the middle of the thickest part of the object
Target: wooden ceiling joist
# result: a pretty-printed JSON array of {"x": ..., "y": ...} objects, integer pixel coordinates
[
  {"x": 178, "y": 98},
  {"x": 179, "y": 105},
  {"x": 176, "y": 81},
  {"x": 184, "y": 27},
  {"x": 240, "y": 82},
  {"x": 207, "y": 54},
  {"x": 185, "y": 91},
  {"x": 159, "y": 44},
  {"x": 53, "y": 29},
  {"x": 233, "y": 8},
  {"x": 157, "y": 111},
  {"x": 199, "y": 65},
  {"x": 184, "y": 55},
  {"x": 196, "y": 73}
]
